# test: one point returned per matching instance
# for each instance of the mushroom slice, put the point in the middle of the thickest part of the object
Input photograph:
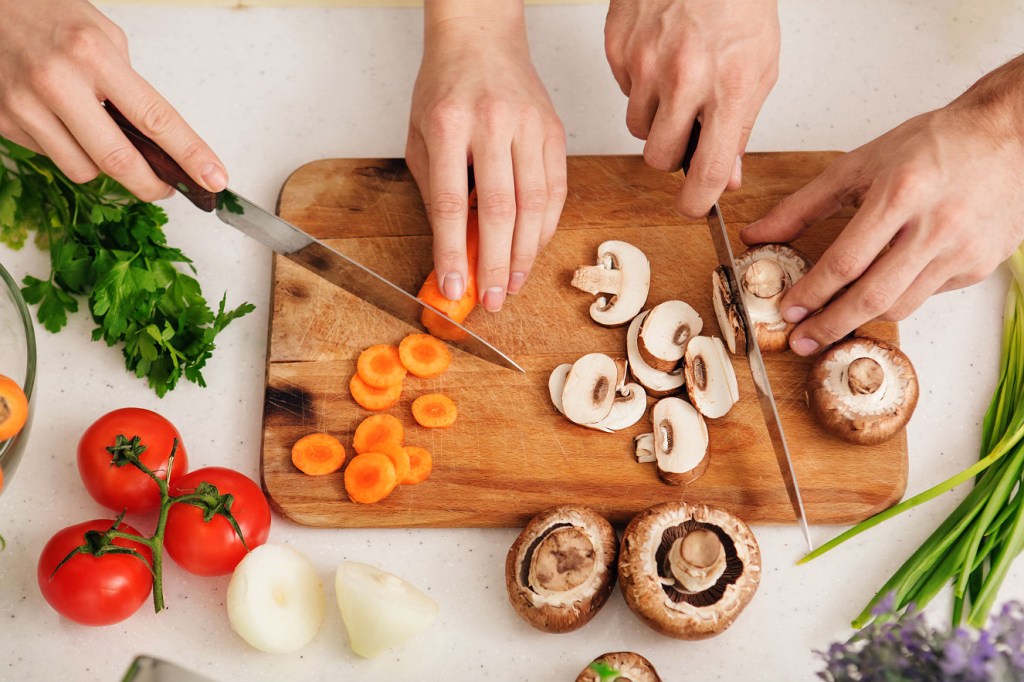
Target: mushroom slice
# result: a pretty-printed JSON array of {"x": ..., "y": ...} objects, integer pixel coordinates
[
  {"x": 687, "y": 570},
  {"x": 656, "y": 382},
  {"x": 680, "y": 441},
  {"x": 561, "y": 569},
  {"x": 628, "y": 407},
  {"x": 664, "y": 333},
  {"x": 728, "y": 313},
  {"x": 589, "y": 389},
  {"x": 619, "y": 666},
  {"x": 766, "y": 272},
  {"x": 710, "y": 377},
  {"x": 623, "y": 275},
  {"x": 644, "y": 448},
  {"x": 862, "y": 389},
  {"x": 556, "y": 384}
]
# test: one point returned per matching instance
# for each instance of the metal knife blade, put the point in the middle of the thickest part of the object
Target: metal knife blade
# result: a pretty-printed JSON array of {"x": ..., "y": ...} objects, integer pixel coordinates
[
  {"x": 309, "y": 252},
  {"x": 765, "y": 397},
  {"x": 149, "y": 669}
]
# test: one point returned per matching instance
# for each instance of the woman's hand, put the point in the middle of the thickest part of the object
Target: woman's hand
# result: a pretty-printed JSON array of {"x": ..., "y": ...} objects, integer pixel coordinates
[
  {"x": 478, "y": 101},
  {"x": 941, "y": 206},
  {"x": 59, "y": 59}
]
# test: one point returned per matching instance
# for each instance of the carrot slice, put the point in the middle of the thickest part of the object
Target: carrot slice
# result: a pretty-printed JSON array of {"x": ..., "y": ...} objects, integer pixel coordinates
[
  {"x": 434, "y": 411},
  {"x": 399, "y": 457},
  {"x": 421, "y": 463},
  {"x": 424, "y": 356},
  {"x": 318, "y": 454},
  {"x": 440, "y": 325},
  {"x": 370, "y": 477},
  {"x": 13, "y": 408},
  {"x": 380, "y": 366},
  {"x": 377, "y": 431},
  {"x": 371, "y": 398}
]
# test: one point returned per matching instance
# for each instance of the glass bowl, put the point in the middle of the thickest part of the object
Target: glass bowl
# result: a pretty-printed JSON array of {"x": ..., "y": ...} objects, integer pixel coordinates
[{"x": 17, "y": 361}]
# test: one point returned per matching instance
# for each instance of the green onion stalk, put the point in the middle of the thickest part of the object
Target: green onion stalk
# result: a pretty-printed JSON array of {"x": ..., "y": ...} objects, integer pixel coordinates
[{"x": 975, "y": 546}]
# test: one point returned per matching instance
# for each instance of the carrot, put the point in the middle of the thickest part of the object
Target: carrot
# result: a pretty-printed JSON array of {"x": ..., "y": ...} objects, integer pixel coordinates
[
  {"x": 371, "y": 398},
  {"x": 434, "y": 411},
  {"x": 380, "y": 367},
  {"x": 370, "y": 477},
  {"x": 459, "y": 310},
  {"x": 13, "y": 408},
  {"x": 420, "y": 465},
  {"x": 318, "y": 454},
  {"x": 377, "y": 431},
  {"x": 424, "y": 356},
  {"x": 399, "y": 457}
]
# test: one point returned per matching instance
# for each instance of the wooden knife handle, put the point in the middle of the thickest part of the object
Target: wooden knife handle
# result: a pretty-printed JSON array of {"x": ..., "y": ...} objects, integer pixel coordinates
[{"x": 166, "y": 168}]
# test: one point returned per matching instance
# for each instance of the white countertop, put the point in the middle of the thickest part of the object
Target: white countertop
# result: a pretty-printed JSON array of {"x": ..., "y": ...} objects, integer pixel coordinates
[{"x": 271, "y": 89}]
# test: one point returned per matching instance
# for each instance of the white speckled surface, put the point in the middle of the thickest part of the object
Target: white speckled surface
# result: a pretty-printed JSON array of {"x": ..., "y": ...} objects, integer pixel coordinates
[{"x": 272, "y": 89}]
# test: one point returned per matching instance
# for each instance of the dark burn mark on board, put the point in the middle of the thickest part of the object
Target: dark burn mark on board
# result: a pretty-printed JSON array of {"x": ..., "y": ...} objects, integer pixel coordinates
[
  {"x": 289, "y": 400},
  {"x": 388, "y": 170}
]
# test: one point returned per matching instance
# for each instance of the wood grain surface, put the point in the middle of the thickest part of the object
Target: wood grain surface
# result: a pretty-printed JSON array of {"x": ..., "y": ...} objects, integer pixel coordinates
[{"x": 510, "y": 454}]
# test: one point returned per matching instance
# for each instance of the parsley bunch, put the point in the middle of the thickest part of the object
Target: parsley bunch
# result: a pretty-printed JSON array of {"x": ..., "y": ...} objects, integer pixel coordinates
[{"x": 109, "y": 247}]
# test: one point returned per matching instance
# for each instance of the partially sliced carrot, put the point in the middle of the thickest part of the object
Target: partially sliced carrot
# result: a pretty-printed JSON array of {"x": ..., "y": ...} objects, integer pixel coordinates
[
  {"x": 370, "y": 477},
  {"x": 424, "y": 356},
  {"x": 318, "y": 454},
  {"x": 380, "y": 366},
  {"x": 399, "y": 457},
  {"x": 13, "y": 408},
  {"x": 376, "y": 431},
  {"x": 434, "y": 411},
  {"x": 421, "y": 463},
  {"x": 374, "y": 399},
  {"x": 441, "y": 325}
]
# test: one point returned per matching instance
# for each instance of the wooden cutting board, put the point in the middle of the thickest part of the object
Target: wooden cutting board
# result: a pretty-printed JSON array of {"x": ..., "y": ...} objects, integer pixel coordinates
[{"x": 510, "y": 454}]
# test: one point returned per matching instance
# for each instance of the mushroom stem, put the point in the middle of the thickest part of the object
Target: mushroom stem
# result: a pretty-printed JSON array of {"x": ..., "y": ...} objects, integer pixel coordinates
[
  {"x": 597, "y": 279},
  {"x": 865, "y": 376},
  {"x": 697, "y": 560},
  {"x": 765, "y": 278}
]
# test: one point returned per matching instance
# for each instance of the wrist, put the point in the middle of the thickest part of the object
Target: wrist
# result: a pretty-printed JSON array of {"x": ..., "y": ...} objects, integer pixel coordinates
[
  {"x": 452, "y": 23},
  {"x": 996, "y": 101}
]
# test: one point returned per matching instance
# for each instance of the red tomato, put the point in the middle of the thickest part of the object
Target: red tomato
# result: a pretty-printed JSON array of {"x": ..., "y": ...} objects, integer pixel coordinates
[
  {"x": 126, "y": 487},
  {"x": 213, "y": 548},
  {"x": 94, "y": 590}
]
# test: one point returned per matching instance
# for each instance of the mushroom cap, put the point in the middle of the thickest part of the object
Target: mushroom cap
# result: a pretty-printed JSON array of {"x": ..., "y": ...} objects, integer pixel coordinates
[
  {"x": 650, "y": 588},
  {"x": 680, "y": 441},
  {"x": 656, "y": 382},
  {"x": 664, "y": 332},
  {"x": 625, "y": 282},
  {"x": 710, "y": 377},
  {"x": 770, "y": 329},
  {"x": 561, "y": 569},
  {"x": 865, "y": 418},
  {"x": 631, "y": 666}
]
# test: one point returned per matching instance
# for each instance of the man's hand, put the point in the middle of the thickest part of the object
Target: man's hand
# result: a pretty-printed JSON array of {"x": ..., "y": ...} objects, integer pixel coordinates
[
  {"x": 478, "y": 101},
  {"x": 677, "y": 61},
  {"x": 59, "y": 59}
]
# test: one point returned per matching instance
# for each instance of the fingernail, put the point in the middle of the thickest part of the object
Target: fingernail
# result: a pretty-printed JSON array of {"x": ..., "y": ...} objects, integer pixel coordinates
[
  {"x": 805, "y": 346},
  {"x": 516, "y": 281},
  {"x": 493, "y": 298},
  {"x": 737, "y": 170},
  {"x": 215, "y": 177},
  {"x": 795, "y": 313},
  {"x": 452, "y": 286}
]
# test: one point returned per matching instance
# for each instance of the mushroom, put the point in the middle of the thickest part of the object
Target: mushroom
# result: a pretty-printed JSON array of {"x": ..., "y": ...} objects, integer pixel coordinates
[
  {"x": 644, "y": 448},
  {"x": 710, "y": 377},
  {"x": 688, "y": 570},
  {"x": 561, "y": 569},
  {"x": 664, "y": 333},
  {"x": 623, "y": 273},
  {"x": 556, "y": 384},
  {"x": 730, "y": 322},
  {"x": 680, "y": 441},
  {"x": 656, "y": 382},
  {"x": 590, "y": 389},
  {"x": 619, "y": 666},
  {"x": 862, "y": 389},
  {"x": 629, "y": 402}
]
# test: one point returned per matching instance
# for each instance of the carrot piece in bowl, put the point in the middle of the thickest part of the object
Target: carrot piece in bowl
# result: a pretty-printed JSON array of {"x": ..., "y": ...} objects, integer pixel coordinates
[{"x": 13, "y": 408}]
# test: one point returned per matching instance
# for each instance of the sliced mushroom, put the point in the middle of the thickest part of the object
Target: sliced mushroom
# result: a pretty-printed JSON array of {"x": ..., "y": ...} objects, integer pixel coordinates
[
  {"x": 619, "y": 666},
  {"x": 710, "y": 377},
  {"x": 656, "y": 382},
  {"x": 556, "y": 384},
  {"x": 623, "y": 275},
  {"x": 862, "y": 389},
  {"x": 628, "y": 407},
  {"x": 730, "y": 322},
  {"x": 589, "y": 389},
  {"x": 766, "y": 272},
  {"x": 688, "y": 571},
  {"x": 664, "y": 332},
  {"x": 561, "y": 568},
  {"x": 644, "y": 448},
  {"x": 680, "y": 441}
]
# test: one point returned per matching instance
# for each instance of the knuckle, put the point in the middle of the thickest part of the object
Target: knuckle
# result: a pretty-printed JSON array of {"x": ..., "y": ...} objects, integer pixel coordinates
[
  {"x": 714, "y": 172},
  {"x": 843, "y": 266},
  {"x": 494, "y": 272},
  {"x": 497, "y": 204},
  {"x": 80, "y": 174},
  {"x": 659, "y": 157},
  {"x": 448, "y": 205},
  {"x": 897, "y": 313},
  {"x": 43, "y": 77},
  {"x": 532, "y": 200},
  {"x": 874, "y": 302},
  {"x": 557, "y": 192},
  {"x": 905, "y": 186},
  {"x": 524, "y": 257},
  {"x": 155, "y": 117},
  {"x": 119, "y": 161},
  {"x": 492, "y": 114},
  {"x": 149, "y": 193},
  {"x": 444, "y": 120},
  {"x": 81, "y": 42},
  {"x": 194, "y": 149},
  {"x": 827, "y": 331},
  {"x": 450, "y": 259}
]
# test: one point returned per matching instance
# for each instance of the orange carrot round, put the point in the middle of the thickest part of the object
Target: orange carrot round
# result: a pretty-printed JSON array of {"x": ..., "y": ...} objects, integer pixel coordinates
[
  {"x": 441, "y": 325},
  {"x": 13, "y": 408},
  {"x": 374, "y": 399},
  {"x": 380, "y": 366},
  {"x": 399, "y": 457},
  {"x": 424, "y": 356},
  {"x": 434, "y": 411},
  {"x": 318, "y": 454},
  {"x": 370, "y": 477},
  {"x": 377, "y": 431},
  {"x": 421, "y": 463}
]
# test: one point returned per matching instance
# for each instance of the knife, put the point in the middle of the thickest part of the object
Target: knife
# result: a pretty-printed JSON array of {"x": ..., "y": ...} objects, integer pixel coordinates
[
  {"x": 765, "y": 397},
  {"x": 149, "y": 669},
  {"x": 307, "y": 251}
]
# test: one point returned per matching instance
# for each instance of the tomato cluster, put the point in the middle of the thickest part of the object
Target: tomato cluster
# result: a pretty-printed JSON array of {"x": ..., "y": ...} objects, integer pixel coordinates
[{"x": 105, "y": 587}]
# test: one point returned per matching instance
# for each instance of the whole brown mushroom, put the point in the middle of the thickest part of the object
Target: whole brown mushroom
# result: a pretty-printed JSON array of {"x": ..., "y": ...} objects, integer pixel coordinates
[{"x": 619, "y": 666}]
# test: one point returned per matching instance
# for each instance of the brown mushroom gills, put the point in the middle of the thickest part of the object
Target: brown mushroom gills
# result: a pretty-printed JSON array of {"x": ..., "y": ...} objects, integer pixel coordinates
[
  {"x": 671, "y": 585},
  {"x": 700, "y": 373},
  {"x": 865, "y": 376},
  {"x": 559, "y": 560}
]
